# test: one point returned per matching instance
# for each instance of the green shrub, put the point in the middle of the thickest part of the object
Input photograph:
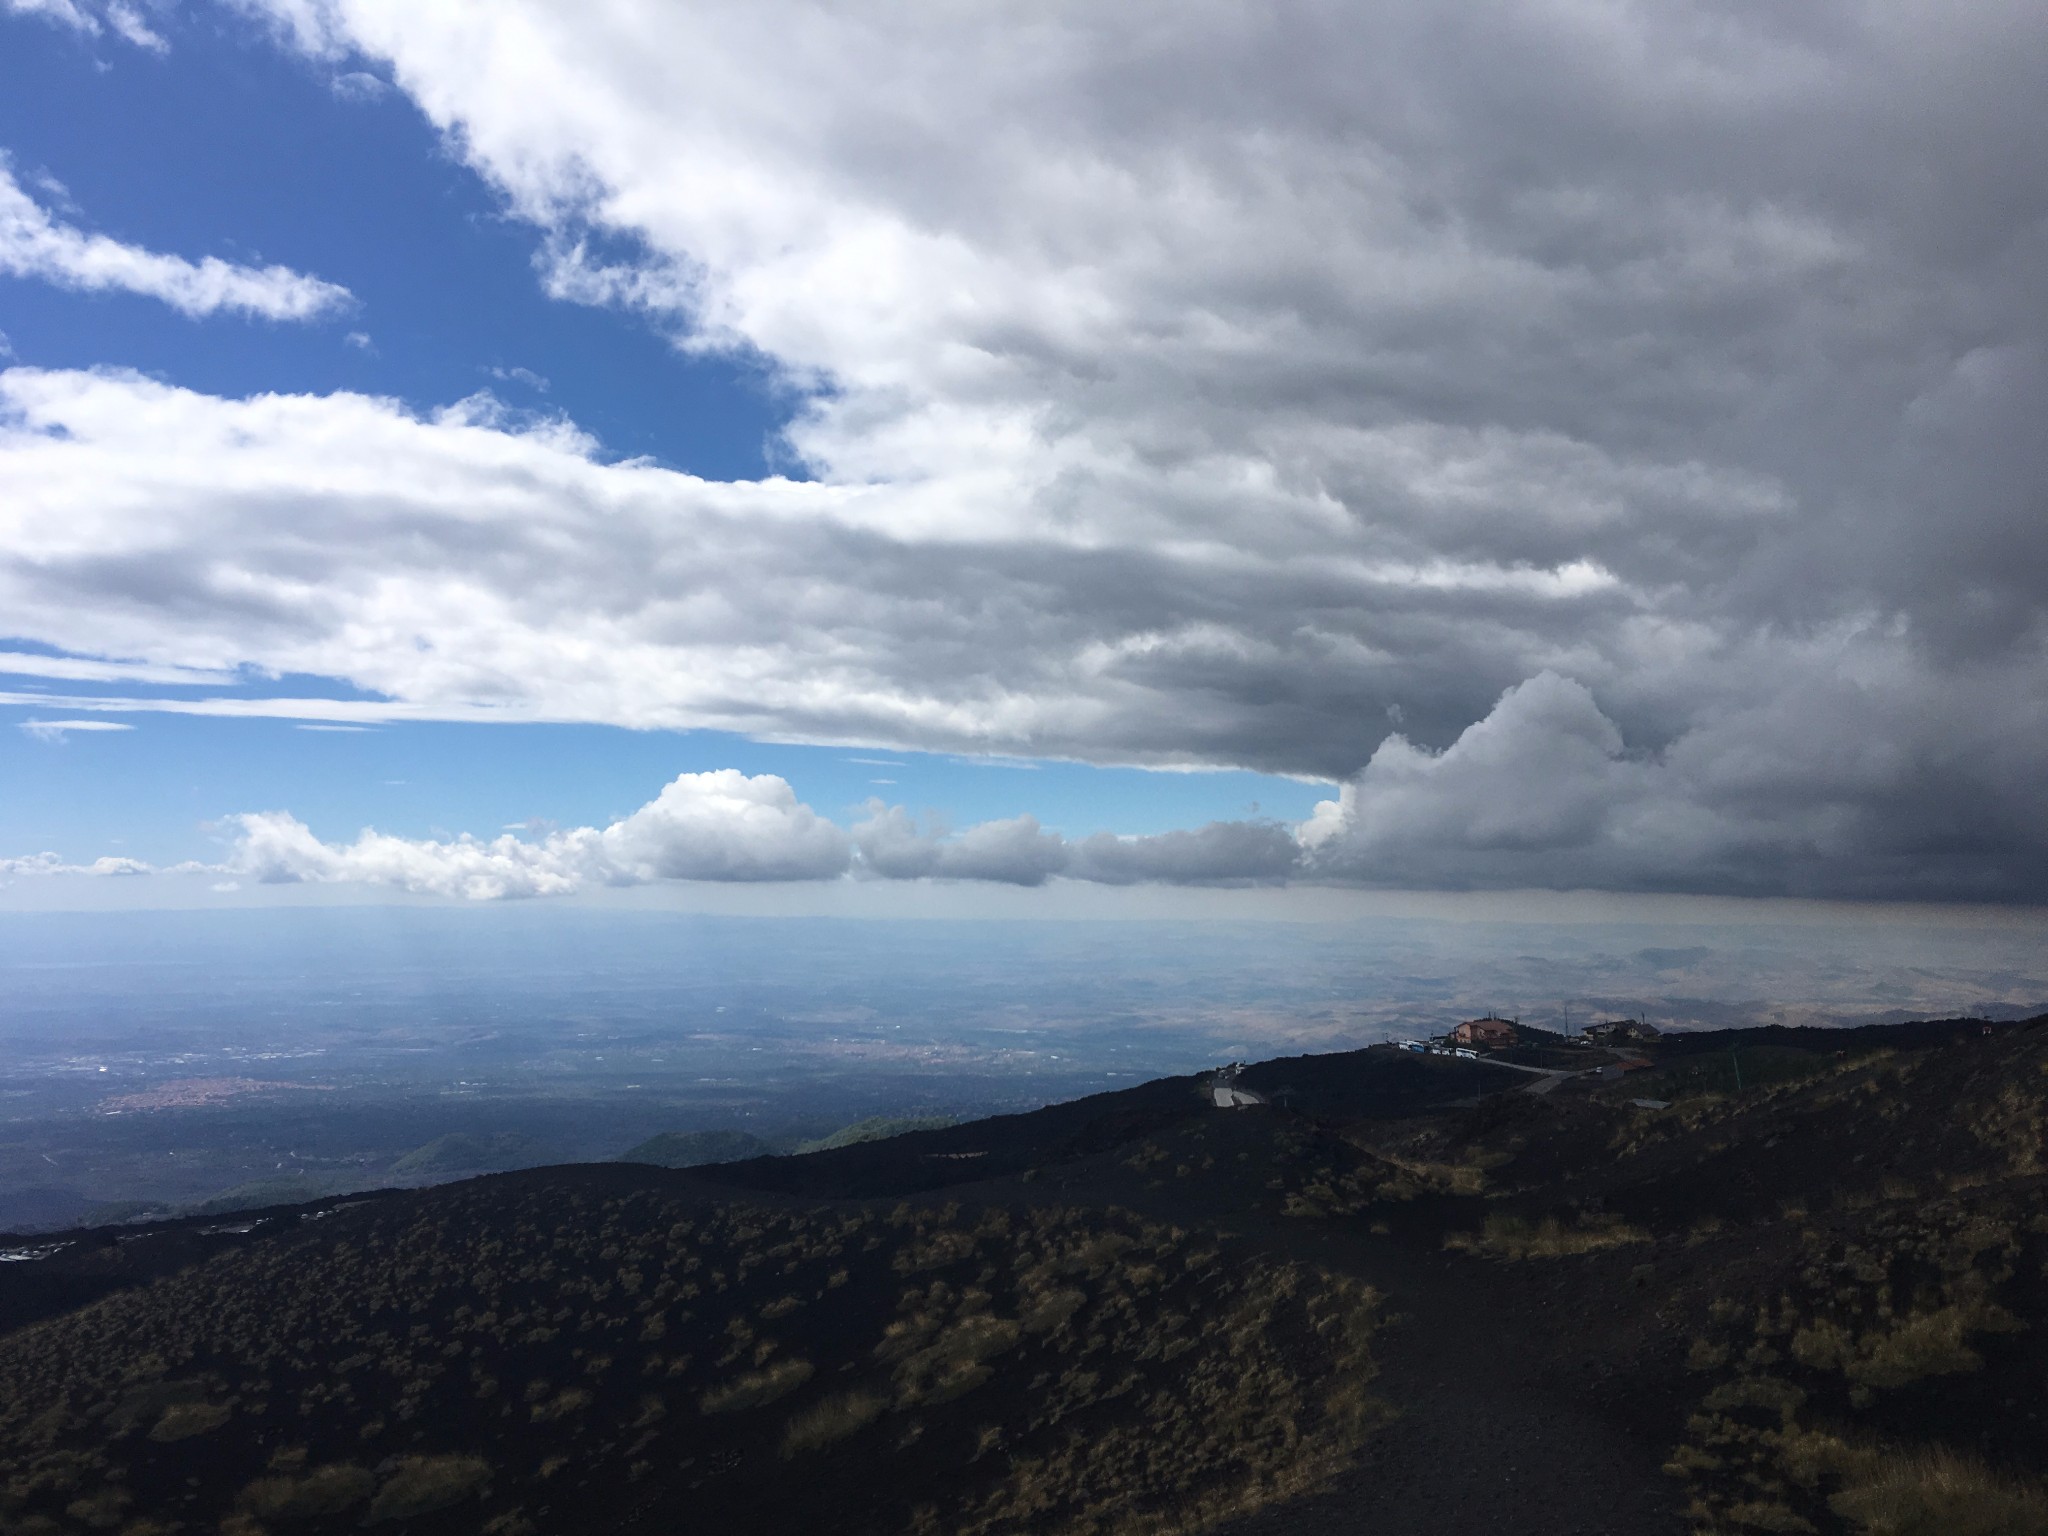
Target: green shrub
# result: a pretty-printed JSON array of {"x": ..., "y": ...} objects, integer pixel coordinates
[
  {"x": 423, "y": 1484},
  {"x": 102, "y": 1511},
  {"x": 561, "y": 1405},
  {"x": 1932, "y": 1343},
  {"x": 757, "y": 1387},
  {"x": 1928, "y": 1344},
  {"x": 952, "y": 1364},
  {"x": 323, "y": 1491},
  {"x": 832, "y": 1420},
  {"x": 1051, "y": 1311},
  {"x": 181, "y": 1421},
  {"x": 1757, "y": 1515}
]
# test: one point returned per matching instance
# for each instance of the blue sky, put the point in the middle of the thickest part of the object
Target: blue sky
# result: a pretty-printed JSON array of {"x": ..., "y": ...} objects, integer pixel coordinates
[
  {"x": 158, "y": 792},
  {"x": 1330, "y": 452},
  {"x": 226, "y": 145}
]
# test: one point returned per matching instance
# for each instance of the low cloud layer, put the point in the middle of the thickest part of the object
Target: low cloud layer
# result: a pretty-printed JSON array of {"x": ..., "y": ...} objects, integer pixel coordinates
[
  {"x": 720, "y": 826},
  {"x": 1543, "y": 792},
  {"x": 36, "y": 244},
  {"x": 703, "y": 826},
  {"x": 726, "y": 826},
  {"x": 1606, "y": 440},
  {"x": 51, "y": 864}
]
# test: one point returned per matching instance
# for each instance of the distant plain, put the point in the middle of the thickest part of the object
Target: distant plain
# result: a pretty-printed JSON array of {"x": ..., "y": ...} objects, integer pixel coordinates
[{"x": 156, "y": 1061}]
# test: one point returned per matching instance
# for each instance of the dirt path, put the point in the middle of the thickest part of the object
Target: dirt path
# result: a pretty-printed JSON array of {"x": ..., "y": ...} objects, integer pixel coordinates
[
  {"x": 1516, "y": 1412},
  {"x": 1496, "y": 1431}
]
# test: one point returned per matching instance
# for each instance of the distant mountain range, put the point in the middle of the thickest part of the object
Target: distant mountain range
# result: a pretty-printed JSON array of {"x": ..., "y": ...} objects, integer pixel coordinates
[{"x": 1775, "y": 1280}]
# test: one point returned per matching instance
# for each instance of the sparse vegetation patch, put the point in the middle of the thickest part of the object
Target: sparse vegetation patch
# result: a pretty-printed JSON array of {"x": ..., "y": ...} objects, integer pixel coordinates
[
  {"x": 1514, "y": 1237},
  {"x": 463, "y": 1360}
]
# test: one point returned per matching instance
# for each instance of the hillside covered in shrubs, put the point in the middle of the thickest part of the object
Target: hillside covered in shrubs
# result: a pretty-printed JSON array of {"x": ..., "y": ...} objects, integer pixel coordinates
[{"x": 1409, "y": 1294}]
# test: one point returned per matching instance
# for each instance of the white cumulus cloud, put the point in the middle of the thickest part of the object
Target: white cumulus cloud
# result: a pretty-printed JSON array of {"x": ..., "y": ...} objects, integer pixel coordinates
[
  {"x": 720, "y": 826},
  {"x": 726, "y": 826}
]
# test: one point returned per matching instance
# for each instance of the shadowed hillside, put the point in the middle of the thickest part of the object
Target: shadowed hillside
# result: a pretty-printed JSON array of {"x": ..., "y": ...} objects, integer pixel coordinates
[
  {"x": 524, "y": 1354},
  {"x": 693, "y": 1149},
  {"x": 1414, "y": 1296}
]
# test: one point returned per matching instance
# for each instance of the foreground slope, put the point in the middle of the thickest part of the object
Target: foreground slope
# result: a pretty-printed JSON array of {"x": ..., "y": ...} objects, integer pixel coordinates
[{"x": 1421, "y": 1298}]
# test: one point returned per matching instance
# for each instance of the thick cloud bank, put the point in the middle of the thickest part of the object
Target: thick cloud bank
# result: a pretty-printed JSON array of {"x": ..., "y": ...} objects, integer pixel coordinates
[
  {"x": 1606, "y": 438},
  {"x": 1541, "y": 792},
  {"x": 1825, "y": 788}
]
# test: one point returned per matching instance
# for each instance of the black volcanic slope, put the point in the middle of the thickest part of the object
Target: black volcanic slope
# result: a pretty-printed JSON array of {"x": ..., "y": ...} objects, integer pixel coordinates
[{"x": 1418, "y": 1298}]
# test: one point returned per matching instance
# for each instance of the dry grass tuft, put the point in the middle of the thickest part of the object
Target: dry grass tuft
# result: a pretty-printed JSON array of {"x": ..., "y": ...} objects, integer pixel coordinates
[
  {"x": 832, "y": 1420},
  {"x": 756, "y": 1388},
  {"x": 1889, "y": 1490},
  {"x": 1762, "y": 1515},
  {"x": 323, "y": 1491},
  {"x": 1924, "y": 1344},
  {"x": 423, "y": 1484},
  {"x": 954, "y": 1363},
  {"x": 181, "y": 1421},
  {"x": 1512, "y": 1237},
  {"x": 561, "y": 1405},
  {"x": 1939, "y": 1493},
  {"x": 1413, "y": 1178}
]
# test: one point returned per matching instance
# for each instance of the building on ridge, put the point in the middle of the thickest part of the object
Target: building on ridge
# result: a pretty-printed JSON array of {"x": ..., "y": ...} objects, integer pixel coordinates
[
  {"x": 1488, "y": 1033},
  {"x": 1617, "y": 1030}
]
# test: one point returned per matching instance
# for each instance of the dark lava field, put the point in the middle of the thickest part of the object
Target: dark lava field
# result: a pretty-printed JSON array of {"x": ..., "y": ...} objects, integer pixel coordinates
[{"x": 1768, "y": 1281}]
